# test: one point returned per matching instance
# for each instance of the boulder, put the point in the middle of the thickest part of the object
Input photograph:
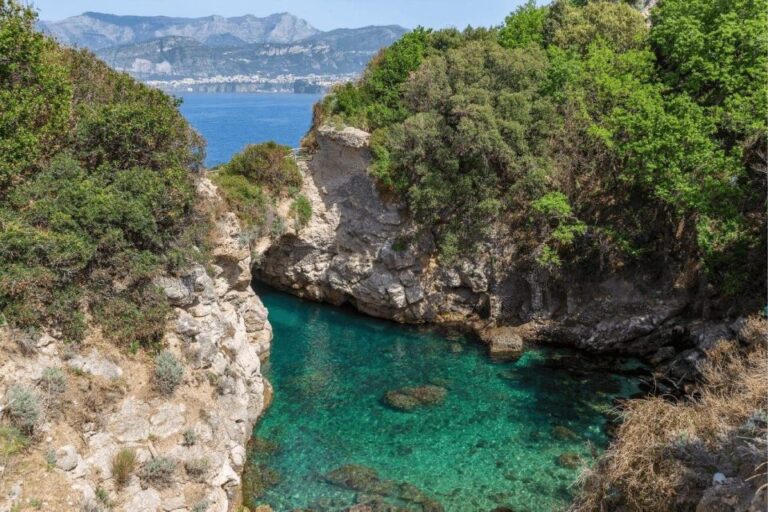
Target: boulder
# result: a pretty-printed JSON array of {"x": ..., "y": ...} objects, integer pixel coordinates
[
  {"x": 96, "y": 364},
  {"x": 67, "y": 458},
  {"x": 503, "y": 342},
  {"x": 408, "y": 399}
]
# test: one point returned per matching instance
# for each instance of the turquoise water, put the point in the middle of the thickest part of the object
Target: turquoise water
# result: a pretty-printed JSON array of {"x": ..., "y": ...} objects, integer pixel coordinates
[
  {"x": 230, "y": 121},
  {"x": 494, "y": 441}
]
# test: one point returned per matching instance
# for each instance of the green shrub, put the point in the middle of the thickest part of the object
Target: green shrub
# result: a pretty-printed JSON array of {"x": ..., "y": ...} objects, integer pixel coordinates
[
  {"x": 23, "y": 408},
  {"x": 158, "y": 471},
  {"x": 123, "y": 465},
  {"x": 168, "y": 372},
  {"x": 269, "y": 165},
  {"x": 136, "y": 316},
  {"x": 12, "y": 441},
  {"x": 53, "y": 381},
  {"x": 189, "y": 437},
  {"x": 201, "y": 506},
  {"x": 50, "y": 458},
  {"x": 96, "y": 193},
  {"x": 244, "y": 197},
  {"x": 301, "y": 209},
  {"x": 197, "y": 469}
]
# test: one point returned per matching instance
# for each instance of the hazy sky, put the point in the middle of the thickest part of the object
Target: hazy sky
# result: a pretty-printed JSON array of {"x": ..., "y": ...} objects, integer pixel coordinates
[{"x": 323, "y": 14}]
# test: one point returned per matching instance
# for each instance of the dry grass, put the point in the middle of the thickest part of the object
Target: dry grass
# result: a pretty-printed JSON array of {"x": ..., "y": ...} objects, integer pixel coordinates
[
  {"x": 123, "y": 465},
  {"x": 666, "y": 451}
]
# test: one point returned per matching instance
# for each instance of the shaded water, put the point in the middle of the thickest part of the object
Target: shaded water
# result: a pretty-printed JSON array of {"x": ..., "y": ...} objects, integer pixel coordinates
[{"x": 494, "y": 441}]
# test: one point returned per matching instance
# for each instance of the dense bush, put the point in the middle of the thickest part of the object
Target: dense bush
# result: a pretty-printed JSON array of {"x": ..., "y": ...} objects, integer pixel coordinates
[
  {"x": 651, "y": 134},
  {"x": 255, "y": 179},
  {"x": 197, "y": 469},
  {"x": 268, "y": 165},
  {"x": 168, "y": 372},
  {"x": 96, "y": 193}
]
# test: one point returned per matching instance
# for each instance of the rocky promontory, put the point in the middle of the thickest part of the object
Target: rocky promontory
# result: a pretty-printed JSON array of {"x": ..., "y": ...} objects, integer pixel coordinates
[{"x": 361, "y": 248}]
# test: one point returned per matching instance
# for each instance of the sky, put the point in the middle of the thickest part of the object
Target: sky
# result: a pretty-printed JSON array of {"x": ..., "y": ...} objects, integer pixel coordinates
[{"x": 323, "y": 14}]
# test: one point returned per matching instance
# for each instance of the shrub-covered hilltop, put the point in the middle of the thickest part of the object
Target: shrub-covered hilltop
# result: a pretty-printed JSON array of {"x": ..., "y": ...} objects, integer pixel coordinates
[
  {"x": 96, "y": 193},
  {"x": 598, "y": 139}
]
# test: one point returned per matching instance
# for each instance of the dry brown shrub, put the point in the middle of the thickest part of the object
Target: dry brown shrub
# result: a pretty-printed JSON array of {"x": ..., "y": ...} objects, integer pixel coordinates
[{"x": 656, "y": 460}]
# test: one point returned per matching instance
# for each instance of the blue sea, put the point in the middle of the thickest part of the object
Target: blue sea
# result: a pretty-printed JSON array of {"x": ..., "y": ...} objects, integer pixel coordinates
[{"x": 231, "y": 121}]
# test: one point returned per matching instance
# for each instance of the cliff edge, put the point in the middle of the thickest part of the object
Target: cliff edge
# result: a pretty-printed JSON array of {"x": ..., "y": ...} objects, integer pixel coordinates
[{"x": 95, "y": 402}]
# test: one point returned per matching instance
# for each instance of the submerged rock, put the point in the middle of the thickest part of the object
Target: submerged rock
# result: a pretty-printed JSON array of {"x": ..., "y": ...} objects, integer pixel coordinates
[
  {"x": 564, "y": 433},
  {"x": 503, "y": 342},
  {"x": 569, "y": 460},
  {"x": 408, "y": 399},
  {"x": 364, "y": 479}
]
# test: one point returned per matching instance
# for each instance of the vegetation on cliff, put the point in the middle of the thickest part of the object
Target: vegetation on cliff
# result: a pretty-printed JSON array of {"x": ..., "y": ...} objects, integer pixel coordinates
[
  {"x": 668, "y": 453},
  {"x": 254, "y": 181},
  {"x": 649, "y": 136},
  {"x": 96, "y": 190}
]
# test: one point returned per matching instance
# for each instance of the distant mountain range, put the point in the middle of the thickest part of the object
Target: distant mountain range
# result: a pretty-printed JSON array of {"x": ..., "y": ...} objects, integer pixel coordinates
[{"x": 164, "y": 49}]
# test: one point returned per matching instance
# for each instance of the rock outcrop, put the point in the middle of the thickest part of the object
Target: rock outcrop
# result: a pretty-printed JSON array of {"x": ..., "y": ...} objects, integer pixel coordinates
[
  {"x": 220, "y": 333},
  {"x": 361, "y": 248}
]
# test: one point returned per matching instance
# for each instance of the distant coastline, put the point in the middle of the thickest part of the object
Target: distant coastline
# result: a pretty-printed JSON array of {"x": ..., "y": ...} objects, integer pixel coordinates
[{"x": 240, "y": 84}]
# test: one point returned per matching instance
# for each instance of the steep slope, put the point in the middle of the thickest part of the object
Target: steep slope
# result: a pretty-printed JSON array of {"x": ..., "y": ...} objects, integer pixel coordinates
[{"x": 130, "y": 339}]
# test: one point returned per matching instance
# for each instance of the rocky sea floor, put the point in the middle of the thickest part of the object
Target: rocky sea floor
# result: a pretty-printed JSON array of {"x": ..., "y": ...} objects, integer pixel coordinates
[{"x": 369, "y": 411}]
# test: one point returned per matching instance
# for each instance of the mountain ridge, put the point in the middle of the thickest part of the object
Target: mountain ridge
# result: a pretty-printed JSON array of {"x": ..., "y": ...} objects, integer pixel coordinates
[{"x": 163, "y": 48}]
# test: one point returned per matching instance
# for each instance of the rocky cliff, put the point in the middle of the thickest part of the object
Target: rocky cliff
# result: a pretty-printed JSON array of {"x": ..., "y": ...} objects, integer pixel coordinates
[
  {"x": 105, "y": 400},
  {"x": 361, "y": 248}
]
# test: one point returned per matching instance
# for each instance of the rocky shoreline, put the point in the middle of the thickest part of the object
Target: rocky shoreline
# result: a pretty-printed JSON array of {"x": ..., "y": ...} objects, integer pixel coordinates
[
  {"x": 108, "y": 403},
  {"x": 361, "y": 249}
]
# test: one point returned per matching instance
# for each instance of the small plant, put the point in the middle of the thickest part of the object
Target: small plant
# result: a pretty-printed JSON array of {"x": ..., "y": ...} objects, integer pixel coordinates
[
  {"x": 53, "y": 381},
  {"x": 123, "y": 464},
  {"x": 23, "y": 408},
  {"x": 158, "y": 471},
  {"x": 27, "y": 341},
  {"x": 50, "y": 458},
  {"x": 36, "y": 503},
  {"x": 277, "y": 228},
  {"x": 12, "y": 441},
  {"x": 102, "y": 495},
  {"x": 168, "y": 372},
  {"x": 91, "y": 506},
  {"x": 189, "y": 437},
  {"x": 301, "y": 209},
  {"x": 197, "y": 468},
  {"x": 201, "y": 506}
]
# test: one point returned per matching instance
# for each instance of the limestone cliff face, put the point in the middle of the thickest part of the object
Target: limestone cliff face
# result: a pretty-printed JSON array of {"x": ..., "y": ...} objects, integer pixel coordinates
[
  {"x": 220, "y": 333},
  {"x": 360, "y": 248}
]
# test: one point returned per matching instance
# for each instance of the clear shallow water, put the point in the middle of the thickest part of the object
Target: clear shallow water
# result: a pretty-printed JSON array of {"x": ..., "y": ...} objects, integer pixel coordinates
[
  {"x": 491, "y": 443},
  {"x": 230, "y": 121}
]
